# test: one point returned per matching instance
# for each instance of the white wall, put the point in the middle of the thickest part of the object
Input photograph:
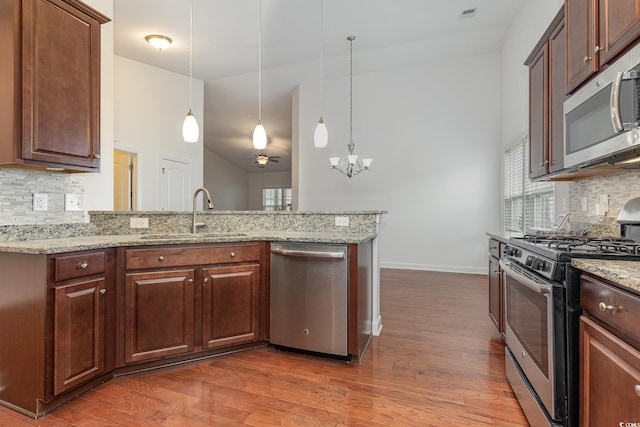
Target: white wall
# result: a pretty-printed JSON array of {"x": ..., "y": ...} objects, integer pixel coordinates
[
  {"x": 523, "y": 34},
  {"x": 227, "y": 183},
  {"x": 150, "y": 105},
  {"x": 434, "y": 134}
]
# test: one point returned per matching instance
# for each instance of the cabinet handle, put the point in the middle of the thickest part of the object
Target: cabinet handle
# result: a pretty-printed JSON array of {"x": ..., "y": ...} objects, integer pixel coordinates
[
  {"x": 586, "y": 59},
  {"x": 160, "y": 258},
  {"x": 604, "y": 307},
  {"x": 103, "y": 291},
  {"x": 206, "y": 280},
  {"x": 190, "y": 281},
  {"x": 82, "y": 265},
  {"x": 598, "y": 49},
  {"x": 638, "y": 389},
  {"x": 232, "y": 254}
]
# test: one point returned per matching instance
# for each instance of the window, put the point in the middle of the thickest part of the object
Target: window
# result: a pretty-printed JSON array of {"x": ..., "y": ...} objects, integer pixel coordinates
[
  {"x": 526, "y": 204},
  {"x": 276, "y": 199}
]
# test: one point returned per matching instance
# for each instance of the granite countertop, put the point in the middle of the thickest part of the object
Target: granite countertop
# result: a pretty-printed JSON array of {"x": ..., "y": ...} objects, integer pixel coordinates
[
  {"x": 81, "y": 243},
  {"x": 624, "y": 273},
  {"x": 503, "y": 236}
]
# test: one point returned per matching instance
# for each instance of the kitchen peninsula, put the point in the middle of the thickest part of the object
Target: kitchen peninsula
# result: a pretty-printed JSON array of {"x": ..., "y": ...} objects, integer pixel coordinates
[{"x": 90, "y": 301}]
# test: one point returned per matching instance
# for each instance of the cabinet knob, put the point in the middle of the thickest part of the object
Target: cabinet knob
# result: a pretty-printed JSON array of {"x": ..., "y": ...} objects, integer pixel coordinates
[
  {"x": 82, "y": 265},
  {"x": 586, "y": 59},
  {"x": 190, "y": 281},
  {"x": 638, "y": 389},
  {"x": 604, "y": 307},
  {"x": 160, "y": 258},
  {"x": 232, "y": 254},
  {"x": 206, "y": 280},
  {"x": 597, "y": 49},
  {"x": 103, "y": 291},
  {"x": 96, "y": 156}
]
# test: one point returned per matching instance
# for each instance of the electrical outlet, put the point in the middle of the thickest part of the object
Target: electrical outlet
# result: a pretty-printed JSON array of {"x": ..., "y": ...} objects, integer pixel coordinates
[
  {"x": 40, "y": 202},
  {"x": 583, "y": 202},
  {"x": 342, "y": 221},
  {"x": 139, "y": 223},
  {"x": 74, "y": 202}
]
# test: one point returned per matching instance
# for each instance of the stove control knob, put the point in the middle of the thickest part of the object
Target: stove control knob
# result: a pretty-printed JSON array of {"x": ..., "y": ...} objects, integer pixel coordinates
[
  {"x": 537, "y": 264},
  {"x": 511, "y": 251}
]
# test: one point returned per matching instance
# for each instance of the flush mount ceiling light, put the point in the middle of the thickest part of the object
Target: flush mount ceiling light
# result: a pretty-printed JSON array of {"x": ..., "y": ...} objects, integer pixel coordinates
[
  {"x": 350, "y": 165},
  {"x": 259, "y": 133},
  {"x": 321, "y": 134},
  {"x": 190, "y": 128},
  {"x": 158, "y": 41}
]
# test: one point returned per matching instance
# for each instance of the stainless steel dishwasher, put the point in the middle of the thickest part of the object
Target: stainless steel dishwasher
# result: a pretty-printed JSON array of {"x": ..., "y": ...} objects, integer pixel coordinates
[{"x": 309, "y": 297}]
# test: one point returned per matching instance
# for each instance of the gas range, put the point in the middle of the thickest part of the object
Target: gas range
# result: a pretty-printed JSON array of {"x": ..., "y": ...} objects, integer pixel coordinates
[{"x": 547, "y": 254}]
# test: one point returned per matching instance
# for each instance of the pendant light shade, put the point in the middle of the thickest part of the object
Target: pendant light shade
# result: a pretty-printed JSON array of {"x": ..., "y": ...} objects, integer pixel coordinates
[
  {"x": 190, "y": 128},
  {"x": 321, "y": 135},
  {"x": 259, "y": 137},
  {"x": 259, "y": 133}
]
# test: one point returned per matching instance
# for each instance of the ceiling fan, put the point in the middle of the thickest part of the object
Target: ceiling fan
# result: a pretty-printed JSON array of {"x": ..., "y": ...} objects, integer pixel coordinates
[{"x": 262, "y": 159}]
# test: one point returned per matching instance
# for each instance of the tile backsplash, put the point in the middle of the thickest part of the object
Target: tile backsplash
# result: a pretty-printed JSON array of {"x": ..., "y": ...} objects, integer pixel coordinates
[
  {"x": 619, "y": 188},
  {"x": 17, "y": 187}
]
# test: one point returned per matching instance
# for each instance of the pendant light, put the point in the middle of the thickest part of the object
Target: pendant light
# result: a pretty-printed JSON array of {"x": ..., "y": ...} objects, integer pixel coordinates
[
  {"x": 190, "y": 128},
  {"x": 259, "y": 134},
  {"x": 321, "y": 134}
]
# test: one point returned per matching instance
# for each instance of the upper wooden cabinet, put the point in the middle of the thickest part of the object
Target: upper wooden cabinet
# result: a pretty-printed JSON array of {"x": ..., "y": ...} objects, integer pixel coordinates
[
  {"x": 547, "y": 83},
  {"x": 50, "y": 84},
  {"x": 597, "y": 31}
]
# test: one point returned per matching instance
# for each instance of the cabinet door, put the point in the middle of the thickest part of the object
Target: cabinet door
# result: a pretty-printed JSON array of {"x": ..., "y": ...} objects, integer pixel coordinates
[
  {"x": 609, "y": 377},
  {"x": 230, "y": 305},
  {"x": 79, "y": 333},
  {"x": 159, "y": 314},
  {"x": 538, "y": 114},
  {"x": 580, "y": 39},
  {"x": 495, "y": 293},
  {"x": 557, "y": 96},
  {"x": 61, "y": 85},
  {"x": 619, "y": 26}
]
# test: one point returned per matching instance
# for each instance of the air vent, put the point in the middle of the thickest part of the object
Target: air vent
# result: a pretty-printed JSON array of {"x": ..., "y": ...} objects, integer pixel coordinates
[{"x": 468, "y": 13}]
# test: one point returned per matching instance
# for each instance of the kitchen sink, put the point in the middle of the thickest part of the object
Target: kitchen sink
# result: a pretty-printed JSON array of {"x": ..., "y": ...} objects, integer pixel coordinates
[{"x": 178, "y": 236}]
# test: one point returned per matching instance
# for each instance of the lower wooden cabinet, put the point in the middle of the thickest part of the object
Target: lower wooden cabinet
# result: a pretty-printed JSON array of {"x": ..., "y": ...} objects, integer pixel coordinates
[
  {"x": 158, "y": 314},
  {"x": 229, "y": 305},
  {"x": 609, "y": 376},
  {"x": 496, "y": 291}
]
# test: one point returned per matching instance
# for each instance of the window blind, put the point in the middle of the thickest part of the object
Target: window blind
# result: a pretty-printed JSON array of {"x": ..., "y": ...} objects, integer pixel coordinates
[{"x": 526, "y": 204}]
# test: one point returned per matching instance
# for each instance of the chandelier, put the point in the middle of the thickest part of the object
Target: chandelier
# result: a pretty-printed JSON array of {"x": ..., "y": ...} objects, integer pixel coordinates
[{"x": 350, "y": 164}]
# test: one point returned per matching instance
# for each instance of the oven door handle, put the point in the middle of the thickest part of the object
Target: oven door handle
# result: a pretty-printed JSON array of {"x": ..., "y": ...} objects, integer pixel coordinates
[{"x": 522, "y": 278}]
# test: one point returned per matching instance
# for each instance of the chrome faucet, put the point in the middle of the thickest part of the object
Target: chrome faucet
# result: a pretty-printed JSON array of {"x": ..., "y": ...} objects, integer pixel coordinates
[{"x": 195, "y": 224}]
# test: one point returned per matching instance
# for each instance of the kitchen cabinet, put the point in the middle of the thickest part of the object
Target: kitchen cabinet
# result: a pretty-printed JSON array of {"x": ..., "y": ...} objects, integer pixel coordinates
[
  {"x": 609, "y": 354},
  {"x": 547, "y": 83},
  {"x": 179, "y": 300},
  {"x": 496, "y": 289},
  {"x": 50, "y": 84},
  {"x": 597, "y": 31}
]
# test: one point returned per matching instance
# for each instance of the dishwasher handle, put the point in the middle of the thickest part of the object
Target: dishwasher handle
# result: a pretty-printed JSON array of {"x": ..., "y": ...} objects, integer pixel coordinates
[{"x": 308, "y": 254}]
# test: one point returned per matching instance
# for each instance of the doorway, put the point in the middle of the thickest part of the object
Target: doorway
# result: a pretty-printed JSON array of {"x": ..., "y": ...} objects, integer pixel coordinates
[{"x": 125, "y": 167}]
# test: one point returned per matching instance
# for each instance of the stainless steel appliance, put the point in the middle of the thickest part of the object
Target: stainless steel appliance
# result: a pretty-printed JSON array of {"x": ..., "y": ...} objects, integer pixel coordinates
[
  {"x": 542, "y": 311},
  {"x": 601, "y": 119},
  {"x": 309, "y": 297}
]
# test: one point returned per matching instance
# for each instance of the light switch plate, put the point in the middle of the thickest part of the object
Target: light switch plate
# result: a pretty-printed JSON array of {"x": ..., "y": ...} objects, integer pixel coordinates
[
  {"x": 342, "y": 221},
  {"x": 73, "y": 202},
  {"x": 139, "y": 223}
]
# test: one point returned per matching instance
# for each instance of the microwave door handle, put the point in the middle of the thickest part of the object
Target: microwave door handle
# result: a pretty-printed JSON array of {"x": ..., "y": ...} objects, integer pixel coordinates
[{"x": 614, "y": 104}]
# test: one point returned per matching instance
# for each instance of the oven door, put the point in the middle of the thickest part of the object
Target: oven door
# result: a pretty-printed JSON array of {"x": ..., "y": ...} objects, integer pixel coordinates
[{"x": 530, "y": 329}]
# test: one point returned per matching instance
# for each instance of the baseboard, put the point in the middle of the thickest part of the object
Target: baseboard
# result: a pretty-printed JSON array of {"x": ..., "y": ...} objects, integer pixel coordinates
[{"x": 439, "y": 268}]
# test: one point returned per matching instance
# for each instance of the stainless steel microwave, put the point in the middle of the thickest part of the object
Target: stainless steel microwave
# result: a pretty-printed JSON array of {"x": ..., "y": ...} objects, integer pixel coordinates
[{"x": 602, "y": 118}]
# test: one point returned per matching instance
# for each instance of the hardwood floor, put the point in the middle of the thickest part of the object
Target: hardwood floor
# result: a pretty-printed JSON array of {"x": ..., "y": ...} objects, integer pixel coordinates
[{"x": 438, "y": 362}]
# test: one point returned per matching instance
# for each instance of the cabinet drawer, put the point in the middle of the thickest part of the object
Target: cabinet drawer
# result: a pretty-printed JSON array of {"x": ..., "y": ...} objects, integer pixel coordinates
[
  {"x": 495, "y": 248},
  {"x": 193, "y": 255},
  {"x": 612, "y": 306},
  {"x": 72, "y": 266}
]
